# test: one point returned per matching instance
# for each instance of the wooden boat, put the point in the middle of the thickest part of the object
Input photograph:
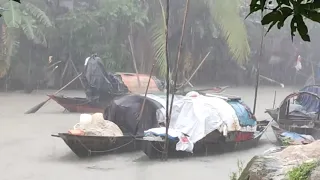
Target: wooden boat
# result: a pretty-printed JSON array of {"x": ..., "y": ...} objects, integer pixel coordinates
[
  {"x": 211, "y": 144},
  {"x": 214, "y": 142},
  {"x": 285, "y": 141},
  {"x": 86, "y": 146},
  {"x": 291, "y": 119},
  {"x": 80, "y": 105},
  {"x": 314, "y": 89}
]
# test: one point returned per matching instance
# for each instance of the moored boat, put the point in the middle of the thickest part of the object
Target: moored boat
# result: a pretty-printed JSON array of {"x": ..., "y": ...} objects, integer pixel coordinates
[
  {"x": 211, "y": 144},
  {"x": 286, "y": 138},
  {"x": 80, "y": 105},
  {"x": 308, "y": 102},
  {"x": 86, "y": 146},
  {"x": 83, "y": 105},
  {"x": 205, "y": 126},
  {"x": 298, "y": 113},
  {"x": 124, "y": 113}
]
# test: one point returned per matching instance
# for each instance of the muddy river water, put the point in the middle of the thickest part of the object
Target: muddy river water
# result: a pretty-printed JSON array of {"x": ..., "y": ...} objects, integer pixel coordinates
[{"x": 28, "y": 152}]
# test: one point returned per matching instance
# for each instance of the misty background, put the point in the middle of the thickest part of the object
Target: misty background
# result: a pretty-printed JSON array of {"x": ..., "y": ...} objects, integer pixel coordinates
[{"x": 122, "y": 32}]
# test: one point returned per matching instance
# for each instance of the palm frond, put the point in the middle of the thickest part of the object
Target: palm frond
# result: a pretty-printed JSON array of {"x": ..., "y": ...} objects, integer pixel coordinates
[
  {"x": 158, "y": 40},
  {"x": 27, "y": 27},
  {"x": 8, "y": 49},
  {"x": 12, "y": 17},
  {"x": 39, "y": 37},
  {"x": 226, "y": 14},
  {"x": 38, "y": 14}
]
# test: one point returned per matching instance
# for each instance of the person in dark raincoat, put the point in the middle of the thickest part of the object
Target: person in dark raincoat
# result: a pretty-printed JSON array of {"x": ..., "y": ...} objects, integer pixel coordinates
[
  {"x": 100, "y": 85},
  {"x": 97, "y": 84}
]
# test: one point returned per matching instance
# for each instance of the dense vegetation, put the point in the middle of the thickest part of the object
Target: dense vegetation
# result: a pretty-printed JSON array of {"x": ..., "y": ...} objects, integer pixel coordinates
[{"x": 126, "y": 31}]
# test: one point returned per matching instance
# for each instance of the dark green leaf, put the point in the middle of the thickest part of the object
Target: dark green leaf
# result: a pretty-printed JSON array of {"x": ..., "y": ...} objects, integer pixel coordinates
[
  {"x": 285, "y": 12},
  {"x": 271, "y": 25},
  {"x": 256, "y": 8},
  {"x": 302, "y": 28},
  {"x": 286, "y": 2},
  {"x": 253, "y": 5},
  {"x": 311, "y": 6},
  {"x": 293, "y": 27},
  {"x": 262, "y": 4},
  {"x": 313, "y": 15},
  {"x": 270, "y": 17}
]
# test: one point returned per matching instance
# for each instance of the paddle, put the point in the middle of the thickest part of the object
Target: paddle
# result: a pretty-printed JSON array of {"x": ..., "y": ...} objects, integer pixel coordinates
[{"x": 37, "y": 107}]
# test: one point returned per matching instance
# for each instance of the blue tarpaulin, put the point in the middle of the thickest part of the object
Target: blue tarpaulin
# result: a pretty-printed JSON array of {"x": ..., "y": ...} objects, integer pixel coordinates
[
  {"x": 245, "y": 117},
  {"x": 309, "y": 102},
  {"x": 293, "y": 136}
]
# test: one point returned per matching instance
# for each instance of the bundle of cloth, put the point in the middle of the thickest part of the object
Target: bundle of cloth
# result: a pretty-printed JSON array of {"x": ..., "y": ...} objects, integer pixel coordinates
[{"x": 95, "y": 125}]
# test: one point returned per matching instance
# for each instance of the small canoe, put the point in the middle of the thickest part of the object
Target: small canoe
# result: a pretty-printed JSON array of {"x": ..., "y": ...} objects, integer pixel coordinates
[
  {"x": 86, "y": 146},
  {"x": 212, "y": 143},
  {"x": 286, "y": 140},
  {"x": 80, "y": 105}
]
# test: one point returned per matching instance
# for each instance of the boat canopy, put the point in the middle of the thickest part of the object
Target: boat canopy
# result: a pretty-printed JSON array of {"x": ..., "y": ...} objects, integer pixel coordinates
[
  {"x": 299, "y": 109},
  {"x": 125, "y": 111},
  {"x": 309, "y": 102}
]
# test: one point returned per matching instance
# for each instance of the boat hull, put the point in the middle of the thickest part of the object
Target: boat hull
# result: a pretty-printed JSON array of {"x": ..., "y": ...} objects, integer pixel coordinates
[
  {"x": 282, "y": 142},
  {"x": 86, "y": 146},
  {"x": 155, "y": 149},
  {"x": 79, "y": 105}
]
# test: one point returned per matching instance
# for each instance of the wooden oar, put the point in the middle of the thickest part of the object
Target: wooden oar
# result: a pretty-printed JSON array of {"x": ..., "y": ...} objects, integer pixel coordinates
[{"x": 37, "y": 107}]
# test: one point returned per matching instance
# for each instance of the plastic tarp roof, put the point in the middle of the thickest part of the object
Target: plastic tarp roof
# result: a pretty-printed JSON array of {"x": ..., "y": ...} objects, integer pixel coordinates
[
  {"x": 309, "y": 102},
  {"x": 244, "y": 114},
  {"x": 199, "y": 116},
  {"x": 124, "y": 111}
]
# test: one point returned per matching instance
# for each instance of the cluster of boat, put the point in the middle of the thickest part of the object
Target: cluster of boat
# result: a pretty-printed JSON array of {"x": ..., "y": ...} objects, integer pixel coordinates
[{"x": 200, "y": 124}]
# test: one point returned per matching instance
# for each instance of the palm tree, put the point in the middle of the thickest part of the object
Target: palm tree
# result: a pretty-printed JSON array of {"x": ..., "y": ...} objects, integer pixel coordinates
[
  {"x": 19, "y": 18},
  {"x": 220, "y": 18}
]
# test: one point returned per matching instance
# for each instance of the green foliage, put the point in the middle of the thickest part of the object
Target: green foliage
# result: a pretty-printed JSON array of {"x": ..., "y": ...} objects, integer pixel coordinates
[
  {"x": 286, "y": 141},
  {"x": 235, "y": 175},
  {"x": 226, "y": 13},
  {"x": 302, "y": 172},
  {"x": 104, "y": 29},
  {"x": 158, "y": 40},
  {"x": 298, "y": 9},
  {"x": 25, "y": 17}
]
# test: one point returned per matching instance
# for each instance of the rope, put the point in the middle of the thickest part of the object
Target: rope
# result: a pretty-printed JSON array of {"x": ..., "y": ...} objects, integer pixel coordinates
[{"x": 109, "y": 150}]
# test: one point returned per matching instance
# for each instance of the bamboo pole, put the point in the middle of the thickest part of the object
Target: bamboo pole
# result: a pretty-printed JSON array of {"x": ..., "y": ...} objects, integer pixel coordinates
[
  {"x": 144, "y": 100},
  {"x": 178, "y": 56},
  {"x": 175, "y": 79},
  {"x": 258, "y": 67},
  {"x": 195, "y": 71},
  {"x": 165, "y": 153}
]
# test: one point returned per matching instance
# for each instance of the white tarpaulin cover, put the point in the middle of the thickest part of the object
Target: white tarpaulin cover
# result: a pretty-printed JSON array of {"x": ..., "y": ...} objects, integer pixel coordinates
[{"x": 199, "y": 115}]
